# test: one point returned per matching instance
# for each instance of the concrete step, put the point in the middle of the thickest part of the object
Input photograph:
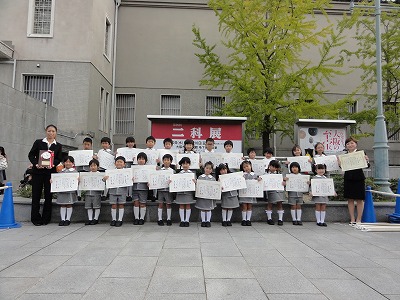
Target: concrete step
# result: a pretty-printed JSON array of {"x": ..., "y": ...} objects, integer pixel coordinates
[{"x": 336, "y": 212}]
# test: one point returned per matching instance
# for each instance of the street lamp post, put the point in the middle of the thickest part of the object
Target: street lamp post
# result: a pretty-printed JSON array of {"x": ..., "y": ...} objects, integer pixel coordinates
[{"x": 381, "y": 147}]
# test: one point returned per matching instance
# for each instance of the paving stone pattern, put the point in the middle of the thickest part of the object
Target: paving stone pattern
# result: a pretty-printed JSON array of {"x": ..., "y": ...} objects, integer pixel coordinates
[{"x": 153, "y": 262}]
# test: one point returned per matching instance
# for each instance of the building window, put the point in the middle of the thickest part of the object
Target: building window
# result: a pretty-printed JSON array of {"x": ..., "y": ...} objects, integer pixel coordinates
[
  {"x": 391, "y": 110},
  {"x": 214, "y": 104},
  {"x": 107, "y": 39},
  {"x": 352, "y": 107},
  {"x": 104, "y": 114},
  {"x": 124, "y": 113},
  {"x": 41, "y": 18},
  {"x": 39, "y": 87},
  {"x": 170, "y": 105}
]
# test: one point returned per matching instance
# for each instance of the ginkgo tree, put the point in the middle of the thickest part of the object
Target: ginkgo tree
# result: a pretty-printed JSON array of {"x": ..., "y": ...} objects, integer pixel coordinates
[{"x": 265, "y": 72}]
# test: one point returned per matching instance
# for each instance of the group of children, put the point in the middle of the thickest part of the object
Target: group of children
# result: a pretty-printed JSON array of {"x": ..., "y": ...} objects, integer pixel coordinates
[{"x": 139, "y": 192}]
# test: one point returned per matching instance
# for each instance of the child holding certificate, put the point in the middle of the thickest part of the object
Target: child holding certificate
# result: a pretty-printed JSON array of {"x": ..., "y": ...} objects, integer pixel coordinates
[
  {"x": 93, "y": 198},
  {"x": 117, "y": 196},
  {"x": 295, "y": 198},
  {"x": 140, "y": 194},
  {"x": 247, "y": 202},
  {"x": 67, "y": 199},
  {"x": 206, "y": 205},
  {"x": 229, "y": 200},
  {"x": 184, "y": 199},
  {"x": 320, "y": 201},
  {"x": 275, "y": 197},
  {"x": 164, "y": 196}
]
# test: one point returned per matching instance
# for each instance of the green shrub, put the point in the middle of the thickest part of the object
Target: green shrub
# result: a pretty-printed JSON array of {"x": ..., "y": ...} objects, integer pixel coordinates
[{"x": 26, "y": 192}]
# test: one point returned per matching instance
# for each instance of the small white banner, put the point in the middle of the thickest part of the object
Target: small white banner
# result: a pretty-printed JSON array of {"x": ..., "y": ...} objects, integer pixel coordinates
[
  {"x": 106, "y": 160},
  {"x": 91, "y": 181},
  {"x": 273, "y": 182},
  {"x": 353, "y": 161},
  {"x": 129, "y": 154},
  {"x": 322, "y": 187},
  {"x": 64, "y": 182},
  {"x": 254, "y": 189},
  {"x": 81, "y": 157},
  {"x": 159, "y": 179},
  {"x": 258, "y": 166},
  {"x": 215, "y": 158},
  {"x": 331, "y": 162},
  {"x": 118, "y": 178},
  {"x": 194, "y": 159},
  {"x": 182, "y": 182},
  {"x": 232, "y": 159},
  {"x": 140, "y": 173},
  {"x": 303, "y": 161},
  {"x": 297, "y": 183},
  {"x": 232, "y": 181},
  {"x": 208, "y": 189}
]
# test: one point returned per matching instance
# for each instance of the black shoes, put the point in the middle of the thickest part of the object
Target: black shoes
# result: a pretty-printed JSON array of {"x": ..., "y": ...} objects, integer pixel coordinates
[
  {"x": 136, "y": 222},
  {"x": 187, "y": 224},
  {"x": 118, "y": 224},
  {"x": 94, "y": 222},
  {"x": 160, "y": 223},
  {"x": 270, "y": 222},
  {"x": 113, "y": 223},
  {"x": 182, "y": 224},
  {"x": 248, "y": 223},
  {"x": 141, "y": 222},
  {"x": 228, "y": 223},
  {"x": 224, "y": 223},
  {"x": 60, "y": 224},
  {"x": 88, "y": 222},
  {"x": 280, "y": 223},
  {"x": 295, "y": 223},
  {"x": 169, "y": 223},
  {"x": 300, "y": 223},
  {"x": 203, "y": 224},
  {"x": 244, "y": 223}
]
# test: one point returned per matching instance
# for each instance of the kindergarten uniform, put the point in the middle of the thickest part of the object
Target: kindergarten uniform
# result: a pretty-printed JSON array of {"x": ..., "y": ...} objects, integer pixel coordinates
[
  {"x": 118, "y": 195},
  {"x": 65, "y": 198},
  {"x": 185, "y": 197},
  {"x": 275, "y": 196},
  {"x": 202, "y": 203},
  {"x": 140, "y": 192},
  {"x": 229, "y": 199},
  {"x": 164, "y": 196},
  {"x": 248, "y": 176},
  {"x": 295, "y": 197},
  {"x": 320, "y": 199},
  {"x": 93, "y": 199}
]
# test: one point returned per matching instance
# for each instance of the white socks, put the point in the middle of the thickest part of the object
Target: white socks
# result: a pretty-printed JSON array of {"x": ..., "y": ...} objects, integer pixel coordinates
[
  {"x": 136, "y": 212},
  {"x": 229, "y": 215},
  {"x": 293, "y": 213},
  {"x": 280, "y": 215},
  {"x": 298, "y": 212},
  {"x": 159, "y": 214},
  {"x": 63, "y": 210},
  {"x": 120, "y": 214},
  {"x": 244, "y": 215},
  {"x": 114, "y": 214},
  {"x": 323, "y": 213},
  {"x": 142, "y": 213},
  {"x": 182, "y": 214},
  {"x": 224, "y": 215},
  {"x": 318, "y": 216},
  {"x": 248, "y": 215},
  {"x": 90, "y": 214},
  {"x": 69, "y": 213},
  {"x": 269, "y": 214},
  {"x": 188, "y": 211},
  {"x": 203, "y": 216},
  {"x": 169, "y": 210},
  {"x": 96, "y": 213}
]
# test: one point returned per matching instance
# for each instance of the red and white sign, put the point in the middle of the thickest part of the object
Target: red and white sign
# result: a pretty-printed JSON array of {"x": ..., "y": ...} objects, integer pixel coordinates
[{"x": 180, "y": 130}]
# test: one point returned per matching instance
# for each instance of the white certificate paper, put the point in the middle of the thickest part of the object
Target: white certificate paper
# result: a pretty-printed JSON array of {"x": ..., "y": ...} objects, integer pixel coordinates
[
  {"x": 353, "y": 161},
  {"x": 106, "y": 160},
  {"x": 140, "y": 173},
  {"x": 330, "y": 161},
  {"x": 273, "y": 182},
  {"x": 208, "y": 189},
  {"x": 297, "y": 183},
  {"x": 232, "y": 159},
  {"x": 91, "y": 181},
  {"x": 129, "y": 154},
  {"x": 254, "y": 189},
  {"x": 64, "y": 182},
  {"x": 172, "y": 152},
  {"x": 303, "y": 161},
  {"x": 152, "y": 156},
  {"x": 194, "y": 159},
  {"x": 182, "y": 182},
  {"x": 215, "y": 158},
  {"x": 232, "y": 181},
  {"x": 258, "y": 166},
  {"x": 81, "y": 157},
  {"x": 322, "y": 187},
  {"x": 159, "y": 179},
  {"x": 118, "y": 178}
]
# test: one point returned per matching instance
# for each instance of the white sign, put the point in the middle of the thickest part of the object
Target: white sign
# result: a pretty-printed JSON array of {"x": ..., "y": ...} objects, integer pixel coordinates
[
  {"x": 152, "y": 156},
  {"x": 303, "y": 161},
  {"x": 194, "y": 159},
  {"x": 297, "y": 183},
  {"x": 330, "y": 161},
  {"x": 81, "y": 157},
  {"x": 91, "y": 181},
  {"x": 208, "y": 189},
  {"x": 232, "y": 159},
  {"x": 332, "y": 138},
  {"x": 159, "y": 179},
  {"x": 172, "y": 152},
  {"x": 64, "y": 182},
  {"x": 182, "y": 182},
  {"x": 273, "y": 182},
  {"x": 129, "y": 154},
  {"x": 267, "y": 161},
  {"x": 254, "y": 189},
  {"x": 232, "y": 181},
  {"x": 322, "y": 187},
  {"x": 118, "y": 178},
  {"x": 106, "y": 160},
  {"x": 353, "y": 161},
  {"x": 258, "y": 166},
  {"x": 215, "y": 158},
  {"x": 140, "y": 173}
]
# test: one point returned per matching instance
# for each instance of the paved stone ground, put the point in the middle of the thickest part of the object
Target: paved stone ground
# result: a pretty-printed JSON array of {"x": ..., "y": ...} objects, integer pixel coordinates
[{"x": 152, "y": 262}]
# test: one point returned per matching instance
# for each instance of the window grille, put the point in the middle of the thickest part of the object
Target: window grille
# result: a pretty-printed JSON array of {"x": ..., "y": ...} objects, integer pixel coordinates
[
  {"x": 124, "y": 113},
  {"x": 214, "y": 104},
  {"x": 42, "y": 17},
  {"x": 170, "y": 105},
  {"x": 107, "y": 38},
  {"x": 39, "y": 87}
]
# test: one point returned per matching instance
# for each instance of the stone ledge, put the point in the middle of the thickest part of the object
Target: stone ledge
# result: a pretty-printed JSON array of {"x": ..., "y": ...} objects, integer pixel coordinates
[{"x": 336, "y": 212}]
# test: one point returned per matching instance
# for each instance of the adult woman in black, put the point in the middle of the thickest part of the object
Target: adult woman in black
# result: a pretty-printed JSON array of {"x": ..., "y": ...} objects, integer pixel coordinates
[
  {"x": 41, "y": 175},
  {"x": 3, "y": 158}
]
